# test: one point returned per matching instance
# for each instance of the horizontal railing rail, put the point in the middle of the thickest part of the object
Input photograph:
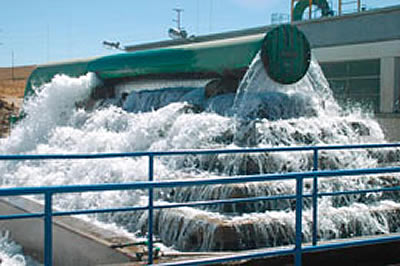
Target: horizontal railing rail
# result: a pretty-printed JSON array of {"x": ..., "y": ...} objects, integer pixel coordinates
[
  {"x": 297, "y": 250},
  {"x": 195, "y": 152}
]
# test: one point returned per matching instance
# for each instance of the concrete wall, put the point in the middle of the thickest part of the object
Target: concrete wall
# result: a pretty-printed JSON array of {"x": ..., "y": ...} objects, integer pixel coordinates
[
  {"x": 366, "y": 255},
  {"x": 75, "y": 242},
  {"x": 390, "y": 124},
  {"x": 364, "y": 27},
  {"x": 362, "y": 51}
]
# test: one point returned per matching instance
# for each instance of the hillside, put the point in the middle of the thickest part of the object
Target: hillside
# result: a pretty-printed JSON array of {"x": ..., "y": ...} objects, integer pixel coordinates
[{"x": 12, "y": 85}]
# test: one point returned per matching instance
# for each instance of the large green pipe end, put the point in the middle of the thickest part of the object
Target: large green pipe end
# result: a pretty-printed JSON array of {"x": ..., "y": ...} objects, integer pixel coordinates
[{"x": 286, "y": 54}]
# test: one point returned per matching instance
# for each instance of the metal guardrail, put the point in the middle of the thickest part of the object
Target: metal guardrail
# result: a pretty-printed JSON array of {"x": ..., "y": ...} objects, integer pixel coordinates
[{"x": 150, "y": 185}]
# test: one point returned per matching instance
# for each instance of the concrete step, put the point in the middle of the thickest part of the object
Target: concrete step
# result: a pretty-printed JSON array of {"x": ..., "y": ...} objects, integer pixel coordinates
[
  {"x": 274, "y": 188},
  {"x": 188, "y": 229},
  {"x": 278, "y": 162}
]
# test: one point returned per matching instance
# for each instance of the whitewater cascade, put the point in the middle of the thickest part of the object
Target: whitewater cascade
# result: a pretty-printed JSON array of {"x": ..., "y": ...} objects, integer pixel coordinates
[
  {"x": 154, "y": 116},
  {"x": 11, "y": 254}
]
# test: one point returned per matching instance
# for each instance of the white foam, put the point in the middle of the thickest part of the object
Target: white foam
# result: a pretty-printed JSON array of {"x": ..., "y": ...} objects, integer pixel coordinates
[
  {"x": 11, "y": 254},
  {"x": 54, "y": 125}
]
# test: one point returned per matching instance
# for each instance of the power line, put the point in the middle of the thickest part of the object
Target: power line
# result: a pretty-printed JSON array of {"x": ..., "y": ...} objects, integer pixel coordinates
[
  {"x": 48, "y": 43},
  {"x": 211, "y": 15},
  {"x": 12, "y": 65},
  {"x": 197, "y": 17}
]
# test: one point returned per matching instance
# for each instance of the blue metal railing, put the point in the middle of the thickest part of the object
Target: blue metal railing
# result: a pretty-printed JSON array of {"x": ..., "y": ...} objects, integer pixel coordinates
[{"x": 150, "y": 185}]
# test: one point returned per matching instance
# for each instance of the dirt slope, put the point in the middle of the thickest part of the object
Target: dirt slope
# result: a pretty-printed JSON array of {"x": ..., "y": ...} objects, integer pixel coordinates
[{"x": 12, "y": 86}]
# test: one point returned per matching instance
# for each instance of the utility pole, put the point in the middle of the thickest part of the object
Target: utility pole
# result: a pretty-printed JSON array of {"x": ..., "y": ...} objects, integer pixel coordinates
[
  {"x": 178, "y": 17},
  {"x": 178, "y": 32},
  {"x": 48, "y": 43},
  {"x": 12, "y": 65}
]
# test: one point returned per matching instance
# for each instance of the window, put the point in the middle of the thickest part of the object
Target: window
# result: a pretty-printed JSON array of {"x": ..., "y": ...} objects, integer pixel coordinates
[{"x": 355, "y": 82}]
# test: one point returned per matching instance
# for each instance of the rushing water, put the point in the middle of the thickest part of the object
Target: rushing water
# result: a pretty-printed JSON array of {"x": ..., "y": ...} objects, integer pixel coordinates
[
  {"x": 11, "y": 254},
  {"x": 174, "y": 116}
]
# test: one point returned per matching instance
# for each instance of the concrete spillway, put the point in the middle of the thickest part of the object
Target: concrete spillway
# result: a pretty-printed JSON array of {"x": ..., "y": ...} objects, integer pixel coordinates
[{"x": 76, "y": 242}]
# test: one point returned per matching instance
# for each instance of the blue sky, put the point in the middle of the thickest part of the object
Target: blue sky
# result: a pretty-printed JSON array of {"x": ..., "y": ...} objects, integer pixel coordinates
[{"x": 52, "y": 30}]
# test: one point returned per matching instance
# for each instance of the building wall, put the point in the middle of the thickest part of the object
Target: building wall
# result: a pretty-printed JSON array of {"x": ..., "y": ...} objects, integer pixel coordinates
[
  {"x": 360, "y": 39},
  {"x": 385, "y": 95},
  {"x": 355, "y": 82},
  {"x": 365, "y": 27}
]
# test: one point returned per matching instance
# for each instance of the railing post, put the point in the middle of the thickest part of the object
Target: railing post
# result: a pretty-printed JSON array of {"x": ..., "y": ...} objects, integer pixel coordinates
[
  {"x": 299, "y": 218},
  {"x": 150, "y": 215},
  {"x": 48, "y": 230},
  {"x": 315, "y": 201}
]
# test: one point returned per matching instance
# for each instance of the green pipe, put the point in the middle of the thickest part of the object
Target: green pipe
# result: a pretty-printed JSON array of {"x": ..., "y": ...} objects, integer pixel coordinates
[
  {"x": 285, "y": 53},
  {"x": 302, "y": 5},
  {"x": 45, "y": 73},
  {"x": 212, "y": 57}
]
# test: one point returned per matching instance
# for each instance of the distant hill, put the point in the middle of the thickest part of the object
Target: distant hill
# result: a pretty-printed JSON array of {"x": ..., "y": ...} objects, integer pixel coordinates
[
  {"x": 12, "y": 86},
  {"x": 12, "y": 81}
]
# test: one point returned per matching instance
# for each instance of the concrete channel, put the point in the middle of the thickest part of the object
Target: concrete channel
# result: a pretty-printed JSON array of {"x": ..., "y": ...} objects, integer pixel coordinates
[{"x": 75, "y": 242}]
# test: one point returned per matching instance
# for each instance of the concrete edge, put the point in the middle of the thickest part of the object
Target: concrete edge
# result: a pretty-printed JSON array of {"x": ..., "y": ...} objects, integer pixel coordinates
[{"x": 75, "y": 242}]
